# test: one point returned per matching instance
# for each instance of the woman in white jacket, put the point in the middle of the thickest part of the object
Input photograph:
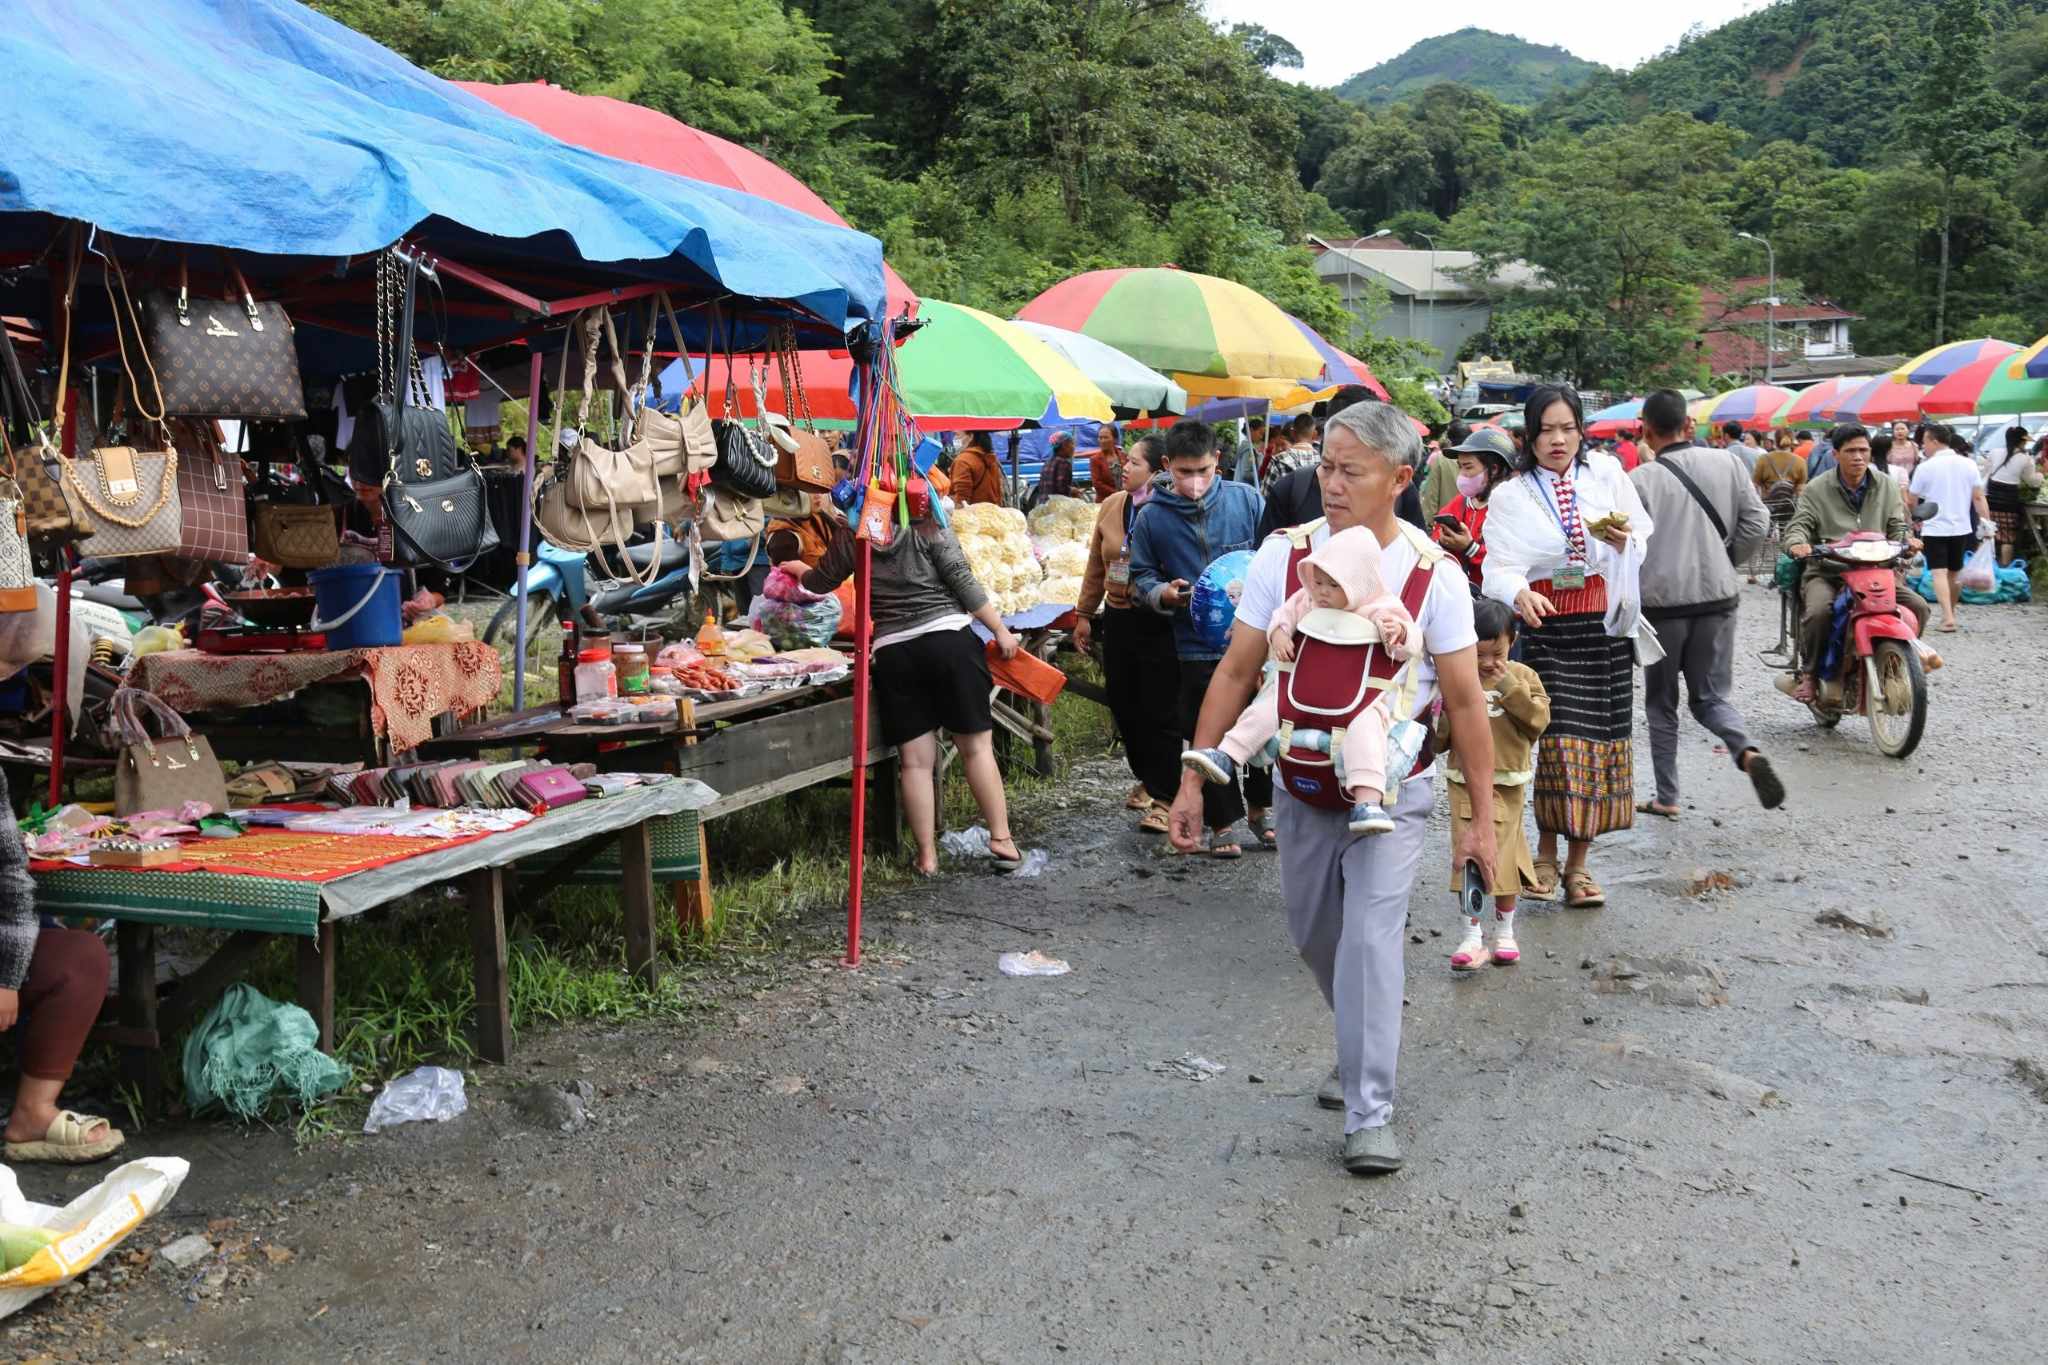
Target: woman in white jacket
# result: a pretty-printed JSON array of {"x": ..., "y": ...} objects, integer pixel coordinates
[{"x": 1564, "y": 547}]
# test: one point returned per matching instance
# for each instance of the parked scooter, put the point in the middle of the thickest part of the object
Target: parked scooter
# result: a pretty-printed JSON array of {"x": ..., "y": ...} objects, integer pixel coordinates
[
  {"x": 1871, "y": 661},
  {"x": 559, "y": 587}
]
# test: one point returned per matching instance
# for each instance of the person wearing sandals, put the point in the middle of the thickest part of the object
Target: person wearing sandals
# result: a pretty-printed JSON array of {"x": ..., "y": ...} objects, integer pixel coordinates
[
  {"x": 1519, "y": 709},
  {"x": 1138, "y": 663},
  {"x": 930, "y": 673},
  {"x": 1709, "y": 519},
  {"x": 1347, "y": 894},
  {"x": 52, "y": 984},
  {"x": 1557, "y": 536},
  {"x": 1178, "y": 533}
]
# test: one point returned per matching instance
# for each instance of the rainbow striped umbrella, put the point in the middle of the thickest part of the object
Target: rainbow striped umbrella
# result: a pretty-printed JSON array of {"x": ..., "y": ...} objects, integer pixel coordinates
[
  {"x": 1931, "y": 367},
  {"x": 1881, "y": 400},
  {"x": 1213, "y": 337},
  {"x": 966, "y": 368},
  {"x": 1815, "y": 404},
  {"x": 1753, "y": 405},
  {"x": 1996, "y": 385}
]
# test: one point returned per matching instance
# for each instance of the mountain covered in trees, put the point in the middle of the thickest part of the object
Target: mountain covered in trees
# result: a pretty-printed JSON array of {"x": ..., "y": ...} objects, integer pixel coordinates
[
  {"x": 1512, "y": 70},
  {"x": 1891, "y": 151}
]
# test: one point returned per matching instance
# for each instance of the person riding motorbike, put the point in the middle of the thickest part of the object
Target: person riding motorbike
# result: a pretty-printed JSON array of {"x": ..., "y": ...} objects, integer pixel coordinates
[{"x": 1848, "y": 498}]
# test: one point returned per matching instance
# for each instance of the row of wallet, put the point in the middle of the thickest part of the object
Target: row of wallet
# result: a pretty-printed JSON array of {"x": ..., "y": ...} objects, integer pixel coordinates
[{"x": 522, "y": 785}]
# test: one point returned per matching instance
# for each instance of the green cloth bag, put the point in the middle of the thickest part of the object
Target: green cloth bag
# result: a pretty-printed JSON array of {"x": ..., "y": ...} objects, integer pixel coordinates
[{"x": 248, "y": 1048}]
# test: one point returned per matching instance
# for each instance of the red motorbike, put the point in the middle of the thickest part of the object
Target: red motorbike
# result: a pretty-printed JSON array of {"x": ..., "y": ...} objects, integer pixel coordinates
[{"x": 1871, "y": 662}]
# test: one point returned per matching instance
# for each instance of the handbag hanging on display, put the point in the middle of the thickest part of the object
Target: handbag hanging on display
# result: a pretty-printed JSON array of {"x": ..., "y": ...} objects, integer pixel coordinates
[
  {"x": 17, "y": 568},
  {"x": 213, "y": 512},
  {"x": 598, "y": 477},
  {"x": 163, "y": 771},
  {"x": 219, "y": 358},
  {"x": 55, "y": 516},
  {"x": 804, "y": 459},
  {"x": 435, "y": 502},
  {"x": 560, "y": 516},
  {"x": 294, "y": 535}
]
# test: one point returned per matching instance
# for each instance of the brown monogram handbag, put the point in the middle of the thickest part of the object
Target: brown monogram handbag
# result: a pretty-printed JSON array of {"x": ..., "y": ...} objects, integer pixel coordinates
[
  {"x": 160, "y": 772},
  {"x": 53, "y": 516},
  {"x": 216, "y": 358}
]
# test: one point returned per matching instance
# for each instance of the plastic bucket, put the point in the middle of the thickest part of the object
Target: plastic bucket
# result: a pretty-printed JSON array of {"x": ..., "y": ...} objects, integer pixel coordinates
[{"x": 358, "y": 605}]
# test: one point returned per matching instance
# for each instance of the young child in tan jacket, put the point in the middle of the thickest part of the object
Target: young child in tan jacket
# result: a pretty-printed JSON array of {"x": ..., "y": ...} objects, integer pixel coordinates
[{"x": 1520, "y": 712}]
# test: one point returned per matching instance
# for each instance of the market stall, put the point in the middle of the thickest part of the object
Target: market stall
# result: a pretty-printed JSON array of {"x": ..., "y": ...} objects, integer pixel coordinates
[{"x": 305, "y": 877}]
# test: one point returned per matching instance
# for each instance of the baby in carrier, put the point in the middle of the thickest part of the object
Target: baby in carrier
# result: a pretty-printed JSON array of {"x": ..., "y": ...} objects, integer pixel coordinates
[{"x": 1343, "y": 607}]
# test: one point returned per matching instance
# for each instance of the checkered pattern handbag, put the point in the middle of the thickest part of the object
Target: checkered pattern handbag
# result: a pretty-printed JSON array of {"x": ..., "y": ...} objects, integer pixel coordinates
[
  {"x": 17, "y": 570},
  {"x": 213, "y": 516}
]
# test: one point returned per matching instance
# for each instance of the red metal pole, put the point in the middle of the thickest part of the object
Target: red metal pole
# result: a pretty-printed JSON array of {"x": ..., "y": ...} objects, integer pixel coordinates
[{"x": 863, "y": 634}]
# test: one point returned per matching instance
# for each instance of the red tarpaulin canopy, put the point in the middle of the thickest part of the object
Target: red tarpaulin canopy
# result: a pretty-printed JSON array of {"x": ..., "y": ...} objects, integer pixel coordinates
[{"x": 651, "y": 138}]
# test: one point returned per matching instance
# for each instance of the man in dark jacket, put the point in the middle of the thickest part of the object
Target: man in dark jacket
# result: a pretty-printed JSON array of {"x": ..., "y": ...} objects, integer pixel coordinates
[
  {"x": 1709, "y": 519},
  {"x": 1178, "y": 533}
]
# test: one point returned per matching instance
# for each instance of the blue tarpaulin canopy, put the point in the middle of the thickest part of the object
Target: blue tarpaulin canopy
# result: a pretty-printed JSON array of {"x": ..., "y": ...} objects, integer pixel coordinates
[{"x": 263, "y": 127}]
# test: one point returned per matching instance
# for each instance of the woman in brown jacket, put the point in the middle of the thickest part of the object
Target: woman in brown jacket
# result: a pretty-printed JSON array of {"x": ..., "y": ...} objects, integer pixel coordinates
[
  {"x": 1139, "y": 668},
  {"x": 975, "y": 476}
]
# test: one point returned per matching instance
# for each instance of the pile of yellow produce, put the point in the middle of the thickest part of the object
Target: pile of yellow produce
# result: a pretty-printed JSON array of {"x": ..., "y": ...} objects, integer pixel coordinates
[
  {"x": 1060, "y": 529},
  {"x": 998, "y": 548}
]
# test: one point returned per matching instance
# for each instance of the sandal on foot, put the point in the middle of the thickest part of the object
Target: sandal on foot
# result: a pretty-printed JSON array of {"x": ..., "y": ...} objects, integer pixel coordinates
[
  {"x": 66, "y": 1141},
  {"x": 1581, "y": 891},
  {"x": 1157, "y": 819},
  {"x": 1262, "y": 829},
  {"x": 1546, "y": 885},
  {"x": 1505, "y": 951},
  {"x": 1226, "y": 850},
  {"x": 1471, "y": 954},
  {"x": 1139, "y": 798},
  {"x": 1005, "y": 862},
  {"x": 1652, "y": 808}
]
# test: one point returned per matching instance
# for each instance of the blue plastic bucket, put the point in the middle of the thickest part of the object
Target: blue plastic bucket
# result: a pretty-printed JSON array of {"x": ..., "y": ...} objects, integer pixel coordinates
[{"x": 357, "y": 605}]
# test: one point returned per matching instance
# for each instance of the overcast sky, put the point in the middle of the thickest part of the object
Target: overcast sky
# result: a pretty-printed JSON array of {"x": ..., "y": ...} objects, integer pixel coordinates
[{"x": 1340, "y": 38}]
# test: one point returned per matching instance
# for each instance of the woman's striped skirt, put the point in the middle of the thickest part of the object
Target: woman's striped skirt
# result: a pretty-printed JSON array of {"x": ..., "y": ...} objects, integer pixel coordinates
[{"x": 1585, "y": 769}]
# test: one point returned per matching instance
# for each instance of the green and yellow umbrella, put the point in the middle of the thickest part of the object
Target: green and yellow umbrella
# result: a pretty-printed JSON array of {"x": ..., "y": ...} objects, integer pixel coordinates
[{"x": 1213, "y": 337}]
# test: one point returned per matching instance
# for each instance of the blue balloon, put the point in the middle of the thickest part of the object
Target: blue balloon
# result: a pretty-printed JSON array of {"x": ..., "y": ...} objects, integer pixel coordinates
[{"x": 1213, "y": 604}]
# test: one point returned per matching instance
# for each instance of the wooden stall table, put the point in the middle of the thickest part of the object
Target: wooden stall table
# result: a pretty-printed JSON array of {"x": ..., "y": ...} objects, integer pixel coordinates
[
  {"x": 308, "y": 905},
  {"x": 749, "y": 750},
  {"x": 395, "y": 695}
]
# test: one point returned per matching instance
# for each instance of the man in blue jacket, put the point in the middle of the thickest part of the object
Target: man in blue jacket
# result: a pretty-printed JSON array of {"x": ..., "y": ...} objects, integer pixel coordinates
[{"x": 1179, "y": 532}]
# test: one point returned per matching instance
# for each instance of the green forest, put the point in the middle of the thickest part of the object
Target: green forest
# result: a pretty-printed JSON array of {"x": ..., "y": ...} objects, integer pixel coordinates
[
  {"x": 1890, "y": 150},
  {"x": 1507, "y": 68}
]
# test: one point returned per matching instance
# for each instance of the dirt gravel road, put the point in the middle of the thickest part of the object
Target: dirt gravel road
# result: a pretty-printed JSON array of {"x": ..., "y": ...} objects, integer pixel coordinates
[{"x": 1700, "y": 1125}]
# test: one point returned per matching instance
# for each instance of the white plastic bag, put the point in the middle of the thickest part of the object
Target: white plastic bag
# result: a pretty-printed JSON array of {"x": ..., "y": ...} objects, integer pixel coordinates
[
  {"x": 1980, "y": 570},
  {"x": 426, "y": 1093},
  {"x": 93, "y": 1224}
]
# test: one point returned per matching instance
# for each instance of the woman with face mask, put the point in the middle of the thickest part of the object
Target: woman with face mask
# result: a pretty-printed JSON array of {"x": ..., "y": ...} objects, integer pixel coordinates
[{"x": 1485, "y": 457}]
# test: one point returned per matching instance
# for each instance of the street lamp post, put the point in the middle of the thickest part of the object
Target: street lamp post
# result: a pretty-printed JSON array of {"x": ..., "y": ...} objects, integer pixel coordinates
[{"x": 1770, "y": 305}]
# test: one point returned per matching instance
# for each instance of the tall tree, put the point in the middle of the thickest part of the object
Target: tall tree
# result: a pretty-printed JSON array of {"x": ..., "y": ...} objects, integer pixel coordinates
[{"x": 1958, "y": 121}]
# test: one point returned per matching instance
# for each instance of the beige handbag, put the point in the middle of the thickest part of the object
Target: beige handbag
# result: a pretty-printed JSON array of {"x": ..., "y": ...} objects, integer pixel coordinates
[
  {"x": 598, "y": 477},
  {"x": 160, "y": 772},
  {"x": 132, "y": 498},
  {"x": 17, "y": 569},
  {"x": 294, "y": 535}
]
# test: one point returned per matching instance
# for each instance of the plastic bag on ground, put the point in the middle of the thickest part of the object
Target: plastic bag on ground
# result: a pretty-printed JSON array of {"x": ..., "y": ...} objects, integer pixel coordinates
[
  {"x": 972, "y": 842},
  {"x": 89, "y": 1226},
  {"x": 428, "y": 1093},
  {"x": 1033, "y": 963},
  {"x": 249, "y": 1048}
]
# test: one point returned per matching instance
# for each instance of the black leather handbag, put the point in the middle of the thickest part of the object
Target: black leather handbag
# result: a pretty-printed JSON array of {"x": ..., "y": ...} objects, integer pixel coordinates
[
  {"x": 215, "y": 358},
  {"x": 435, "y": 500},
  {"x": 746, "y": 460}
]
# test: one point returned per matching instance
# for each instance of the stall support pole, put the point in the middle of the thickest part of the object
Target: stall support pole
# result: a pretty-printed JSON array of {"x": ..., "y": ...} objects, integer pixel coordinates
[
  {"x": 863, "y": 636},
  {"x": 526, "y": 528},
  {"x": 60, "y": 679}
]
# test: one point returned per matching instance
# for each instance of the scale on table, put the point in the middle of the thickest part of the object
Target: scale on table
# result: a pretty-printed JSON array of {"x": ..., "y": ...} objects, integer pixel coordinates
[{"x": 271, "y": 621}]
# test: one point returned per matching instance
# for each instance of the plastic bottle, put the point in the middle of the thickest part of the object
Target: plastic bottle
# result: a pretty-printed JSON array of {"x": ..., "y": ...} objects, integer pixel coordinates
[
  {"x": 596, "y": 676},
  {"x": 711, "y": 640}
]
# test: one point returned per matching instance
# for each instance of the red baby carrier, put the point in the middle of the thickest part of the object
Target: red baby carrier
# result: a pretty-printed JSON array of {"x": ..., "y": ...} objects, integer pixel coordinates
[{"x": 1327, "y": 688}]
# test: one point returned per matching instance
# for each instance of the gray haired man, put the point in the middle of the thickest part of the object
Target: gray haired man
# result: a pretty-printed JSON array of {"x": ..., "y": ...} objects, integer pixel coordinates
[{"x": 1347, "y": 894}]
